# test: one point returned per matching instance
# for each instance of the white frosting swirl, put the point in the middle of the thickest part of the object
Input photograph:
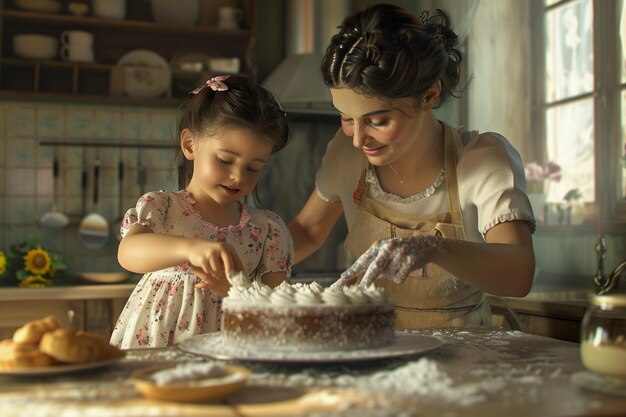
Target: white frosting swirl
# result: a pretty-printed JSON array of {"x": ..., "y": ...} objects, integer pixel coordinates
[
  {"x": 236, "y": 293},
  {"x": 282, "y": 297},
  {"x": 285, "y": 286},
  {"x": 307, "y": 294},
  {"x": 259, "y": 287},
  {"x": 308, "y": 297},
  {"x": 356, "y": 295},
  {"x": 335, "y": 297},
  {"x": 377, "y": 295},
  {"x": 316, "y": 287}
]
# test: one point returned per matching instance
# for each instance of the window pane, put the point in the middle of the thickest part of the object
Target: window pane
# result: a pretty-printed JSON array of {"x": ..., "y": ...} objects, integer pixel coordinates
[
  {"x": 623, "y": 158},
  {"x": 569, "y": 50},
  {"x": 570, "y": 132},
  {"x": 548, "y": 3},
  {"x": 622, "y": 27}
]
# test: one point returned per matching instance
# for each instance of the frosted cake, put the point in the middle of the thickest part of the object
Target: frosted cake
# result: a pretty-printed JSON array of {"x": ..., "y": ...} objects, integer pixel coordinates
[{"x": 307, "y": 317}]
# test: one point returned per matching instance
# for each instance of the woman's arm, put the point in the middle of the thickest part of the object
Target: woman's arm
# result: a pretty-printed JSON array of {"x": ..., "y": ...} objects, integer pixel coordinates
[
  {"x": 504, "y": 266},
  {"x": 312, "y": 225}
]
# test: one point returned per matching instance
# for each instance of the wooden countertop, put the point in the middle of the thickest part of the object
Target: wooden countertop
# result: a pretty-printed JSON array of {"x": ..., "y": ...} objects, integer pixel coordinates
[
  {"x": 476, "y": 372},
  {"x": 68, "y": 292}
]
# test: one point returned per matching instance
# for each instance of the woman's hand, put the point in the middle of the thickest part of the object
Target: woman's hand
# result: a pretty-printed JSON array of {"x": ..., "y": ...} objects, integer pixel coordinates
[{"x": 393, "y": 259}]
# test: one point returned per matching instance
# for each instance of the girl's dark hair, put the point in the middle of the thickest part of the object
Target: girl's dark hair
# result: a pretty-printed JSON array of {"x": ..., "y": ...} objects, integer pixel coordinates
[
  {"x": 387, "y": 51},
  {"x": 243, "y": 104}
]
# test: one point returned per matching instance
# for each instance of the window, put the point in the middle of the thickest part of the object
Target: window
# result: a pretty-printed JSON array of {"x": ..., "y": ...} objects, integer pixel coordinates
[{"x": 583, "y": 91}]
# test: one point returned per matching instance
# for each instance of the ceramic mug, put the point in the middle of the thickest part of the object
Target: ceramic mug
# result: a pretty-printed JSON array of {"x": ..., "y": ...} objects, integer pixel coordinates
[
  {"x": 229, "y": 17},
  {"x": 77, "y": 45}
]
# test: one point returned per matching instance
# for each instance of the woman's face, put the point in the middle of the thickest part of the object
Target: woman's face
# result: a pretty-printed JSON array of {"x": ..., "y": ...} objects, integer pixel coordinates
[
  {"x": 378, "y": 127},
  {"x": 228, "y": 165}
]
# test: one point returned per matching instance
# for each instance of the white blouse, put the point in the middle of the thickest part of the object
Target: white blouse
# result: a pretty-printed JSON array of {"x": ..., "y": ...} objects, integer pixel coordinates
[{"x": 490, "y": 177}]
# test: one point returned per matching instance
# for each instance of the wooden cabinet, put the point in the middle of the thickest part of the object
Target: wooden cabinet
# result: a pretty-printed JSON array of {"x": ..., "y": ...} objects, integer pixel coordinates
[
  {"x": 559, "y": 319},
  {"x": 93, "y": 308},
  {"x": 101, "y": 81}
]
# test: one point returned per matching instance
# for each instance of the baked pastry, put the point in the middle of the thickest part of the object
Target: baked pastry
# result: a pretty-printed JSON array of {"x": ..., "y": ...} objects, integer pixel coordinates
[
  {"x": 307, "y": 317},
  {"x": 32, "y": 331},
  {"x": 22, "y": 355},
  {"x": 76, "y": 347}
]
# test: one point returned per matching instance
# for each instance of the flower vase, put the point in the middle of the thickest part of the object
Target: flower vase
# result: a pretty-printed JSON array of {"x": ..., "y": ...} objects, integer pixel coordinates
[{"x": 538, "y": 204}]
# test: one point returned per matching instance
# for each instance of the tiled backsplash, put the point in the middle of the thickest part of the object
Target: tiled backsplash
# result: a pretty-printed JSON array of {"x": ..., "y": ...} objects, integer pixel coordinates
[{"x": 27, "y": 183}]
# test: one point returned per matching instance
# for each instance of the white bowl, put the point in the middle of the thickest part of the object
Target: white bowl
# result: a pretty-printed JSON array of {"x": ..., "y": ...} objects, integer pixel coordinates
[
  {"x": 200, "y": 391},
  {"x": 45, "y": 6},
  {"x": 34, "y": 45},
  {"x": 225, "y": 65}
]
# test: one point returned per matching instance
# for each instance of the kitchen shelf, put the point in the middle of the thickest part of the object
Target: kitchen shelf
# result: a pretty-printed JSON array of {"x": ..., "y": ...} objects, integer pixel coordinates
[
  {"x": 103, "y": 81},
  {"x": 95, "y": 24}
]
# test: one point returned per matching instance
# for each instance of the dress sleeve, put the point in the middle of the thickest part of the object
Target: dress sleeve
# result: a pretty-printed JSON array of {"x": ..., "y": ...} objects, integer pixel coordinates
[
  {"x": 278, "y": 247},
  {"x": 491, "y": 178},
  {"x": 150, "y": 211},
  {"x": 339, "y": 170}
]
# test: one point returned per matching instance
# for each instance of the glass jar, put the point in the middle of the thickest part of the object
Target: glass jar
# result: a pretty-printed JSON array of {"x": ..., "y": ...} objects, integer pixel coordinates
[{"x": 603, "y": 335}]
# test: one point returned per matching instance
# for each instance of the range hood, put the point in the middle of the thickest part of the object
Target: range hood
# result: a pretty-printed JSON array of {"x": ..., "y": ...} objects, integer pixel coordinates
[{"x": 297, "y": 80}]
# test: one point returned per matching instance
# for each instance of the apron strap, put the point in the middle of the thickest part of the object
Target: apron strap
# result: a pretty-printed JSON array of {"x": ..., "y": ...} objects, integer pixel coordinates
[{"x": 453, "y": 185}]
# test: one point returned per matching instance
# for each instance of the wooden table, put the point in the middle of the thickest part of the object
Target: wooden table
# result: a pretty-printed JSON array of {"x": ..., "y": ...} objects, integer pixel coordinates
[{"x": 476, "y": 372}]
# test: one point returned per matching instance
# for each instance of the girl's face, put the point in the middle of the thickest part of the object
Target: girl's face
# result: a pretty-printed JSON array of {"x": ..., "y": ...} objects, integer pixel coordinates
[
  {"x": 381, "y": 131},
  {"x": 228, "y": 165}
]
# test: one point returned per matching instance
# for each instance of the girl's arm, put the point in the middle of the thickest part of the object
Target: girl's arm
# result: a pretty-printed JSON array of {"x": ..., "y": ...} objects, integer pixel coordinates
[
  {"x": 141, "y": 250},
  {"x": 312, "y": 225},
  {"x": 274, "y": 279}
]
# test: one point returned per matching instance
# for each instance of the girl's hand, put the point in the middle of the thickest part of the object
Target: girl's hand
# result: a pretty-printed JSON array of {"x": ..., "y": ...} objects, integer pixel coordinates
[
  {"x": 218, "y": 283},
  {"x": 212, "y": 262},
  {"x": 393, "y": 259}
]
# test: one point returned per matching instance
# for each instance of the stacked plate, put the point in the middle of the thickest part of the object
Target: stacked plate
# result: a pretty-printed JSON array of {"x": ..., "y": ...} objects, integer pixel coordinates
[
  {"x": 36, "y": 46},
  {"x": 147, "y": 74}
]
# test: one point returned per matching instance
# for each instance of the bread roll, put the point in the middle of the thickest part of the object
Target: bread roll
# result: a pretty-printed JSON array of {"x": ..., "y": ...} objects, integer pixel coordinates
[
  {"x": 23, "y": 355},
  {"x": 76, "y": 347},
  {"x": 32, "y": 331}
]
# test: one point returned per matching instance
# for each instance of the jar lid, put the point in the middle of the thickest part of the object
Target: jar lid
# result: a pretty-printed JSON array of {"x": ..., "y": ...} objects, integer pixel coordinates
[{"x": 617, "y": 300}]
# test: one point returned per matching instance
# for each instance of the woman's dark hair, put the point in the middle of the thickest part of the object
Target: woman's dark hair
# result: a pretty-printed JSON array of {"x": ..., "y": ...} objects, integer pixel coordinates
[
  {"x": 243, "y": 104},
  {"x": 387, "y": 51}
]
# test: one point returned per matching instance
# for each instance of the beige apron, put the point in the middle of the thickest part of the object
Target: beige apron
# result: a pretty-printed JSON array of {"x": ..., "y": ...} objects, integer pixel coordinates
[{"x": 430, "y": 297}]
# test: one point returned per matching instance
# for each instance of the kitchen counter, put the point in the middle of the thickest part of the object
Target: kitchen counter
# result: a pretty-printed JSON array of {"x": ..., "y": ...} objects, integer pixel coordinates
[
  {"x": 476, "y": 372},
  {"x": 68, "y": 292}
]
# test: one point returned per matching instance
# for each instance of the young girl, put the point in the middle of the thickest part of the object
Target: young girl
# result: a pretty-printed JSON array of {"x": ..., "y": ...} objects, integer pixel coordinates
[{"x": 187, "y": 242}]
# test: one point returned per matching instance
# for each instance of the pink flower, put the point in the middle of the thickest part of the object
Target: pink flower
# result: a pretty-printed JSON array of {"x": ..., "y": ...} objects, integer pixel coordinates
[
  {"x": 552, "y": 171},
  {"x": 535, "y": 172}
]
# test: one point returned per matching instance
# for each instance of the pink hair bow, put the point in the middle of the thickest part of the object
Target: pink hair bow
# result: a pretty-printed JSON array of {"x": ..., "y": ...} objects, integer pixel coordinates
[{"x": 215, "y": 84}]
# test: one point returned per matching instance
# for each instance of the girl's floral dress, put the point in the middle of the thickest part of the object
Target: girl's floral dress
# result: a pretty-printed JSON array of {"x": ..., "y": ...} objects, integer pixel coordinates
[{"x": 165, "y": 307}]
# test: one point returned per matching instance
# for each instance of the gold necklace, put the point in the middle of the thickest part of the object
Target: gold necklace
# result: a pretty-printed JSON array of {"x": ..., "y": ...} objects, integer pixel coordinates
[{"x": 399, "y": 176}]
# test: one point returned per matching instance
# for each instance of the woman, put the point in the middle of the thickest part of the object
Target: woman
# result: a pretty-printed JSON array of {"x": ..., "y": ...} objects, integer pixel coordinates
[{"x": 446, "y": 208}]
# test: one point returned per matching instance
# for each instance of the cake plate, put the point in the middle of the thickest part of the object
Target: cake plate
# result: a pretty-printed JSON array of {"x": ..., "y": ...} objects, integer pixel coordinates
[{"x": 211, "y": 345}]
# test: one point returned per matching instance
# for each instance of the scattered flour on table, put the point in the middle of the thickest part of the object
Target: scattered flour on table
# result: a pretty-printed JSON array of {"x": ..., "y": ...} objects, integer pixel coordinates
[
  {"x": 485, "y": 363},
  {"x": 423, "y": 377}
]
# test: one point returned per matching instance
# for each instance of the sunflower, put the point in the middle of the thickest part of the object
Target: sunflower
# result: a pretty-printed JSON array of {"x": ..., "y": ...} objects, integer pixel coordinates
[
  {"x": 37, "y": 261},
  {"x": 3, "y": 263},
  {"x": 35, "y": 281}
]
